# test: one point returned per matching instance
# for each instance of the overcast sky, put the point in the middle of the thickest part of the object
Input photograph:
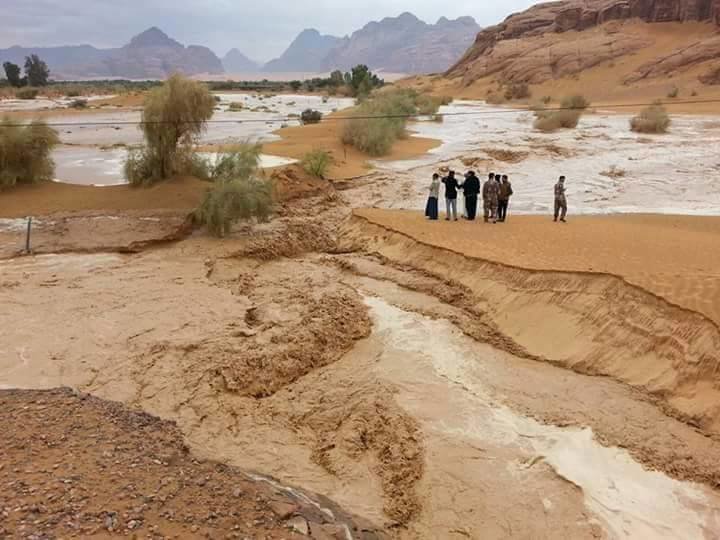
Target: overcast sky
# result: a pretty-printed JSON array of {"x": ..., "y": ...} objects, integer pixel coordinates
[{"x": 261, "y": 29}]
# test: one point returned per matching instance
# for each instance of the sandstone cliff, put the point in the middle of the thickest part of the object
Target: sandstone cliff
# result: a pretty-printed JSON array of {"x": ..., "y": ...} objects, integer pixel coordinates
[{"x": 550, "y": 40}]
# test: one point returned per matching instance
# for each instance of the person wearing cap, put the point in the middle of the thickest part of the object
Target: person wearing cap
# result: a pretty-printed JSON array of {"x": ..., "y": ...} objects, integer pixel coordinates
[
  {"x": 560, "y": 200},
  {"x": 451, "y": 187}
]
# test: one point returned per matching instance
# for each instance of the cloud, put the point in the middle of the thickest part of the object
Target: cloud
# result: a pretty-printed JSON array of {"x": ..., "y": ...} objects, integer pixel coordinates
[{"x": 262, "y": 30}]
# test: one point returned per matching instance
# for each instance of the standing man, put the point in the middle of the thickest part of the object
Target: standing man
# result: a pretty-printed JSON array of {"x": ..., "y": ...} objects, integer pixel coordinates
[
  {"x": 504, "y": 197},
  {"x": 471, "y": 187},
  {"x": 451, "y": 187},
  {"x": 560, "y": 200},
  {"x": 490, "y": 198}
]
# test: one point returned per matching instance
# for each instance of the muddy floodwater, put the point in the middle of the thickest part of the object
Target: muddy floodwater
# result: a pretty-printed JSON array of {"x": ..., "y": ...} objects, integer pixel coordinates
[
  {"x": 609, "y": 168},
  {"x": 94, "y": 148}
]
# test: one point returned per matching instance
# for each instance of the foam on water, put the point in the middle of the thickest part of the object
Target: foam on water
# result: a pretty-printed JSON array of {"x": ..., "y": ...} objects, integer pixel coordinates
[
  {"x": 678, "y": 172},
  {"x": 631, "y": 501}
]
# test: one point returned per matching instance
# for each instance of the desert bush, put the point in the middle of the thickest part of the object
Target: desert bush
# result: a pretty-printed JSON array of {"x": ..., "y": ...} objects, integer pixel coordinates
[
  {"x": 674, "y": 92},
  {"x": 317, "y": 162},
  {"x": 239, "y": 191},
  {"x": 546, "y": 99},
  {"x": 25, "y": 152},
  {"x": 241, "y": 161},
  {"x": 382, "y": 120},
  {"x": 27, "y": 93},
  {"x": 236, "y": 106},
  {"x": 614, "y": 172},
  {"x": 72, "y": 93},
  {"x": 174, "y": 116},
  {"x": 576, "y": 102},
  {"x": 310, "y": 116},
  {"x": 556, "y": 119},
  {"x": 494, "y": 98},
  {"x": 79, "y": 103},
  {"x": 517, "y": 91},
  {"x": 653, "y": 119}
]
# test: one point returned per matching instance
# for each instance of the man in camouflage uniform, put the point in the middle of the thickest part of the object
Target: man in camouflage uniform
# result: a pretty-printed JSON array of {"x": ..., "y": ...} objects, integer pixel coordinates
[
  {"x": 560, "y": 200},
  {"x": 490, "y": 192}
]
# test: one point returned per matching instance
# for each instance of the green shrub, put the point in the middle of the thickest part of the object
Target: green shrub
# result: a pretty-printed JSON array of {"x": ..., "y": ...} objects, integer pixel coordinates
[
  {"x": 653, "y": 119},
  {"x": 310, "y": 116},
  {"x": 79, "y": 104},
  {"x": 575, "y": 102},
  {"x": 174, "y": 116},
  {"x": 72, "y": 93},
  {"x": 517, "y": 91},
  {"x": 552, "y": 120},
  {"x": 674, "y": 92},
  {"x": 236, "y": 106},
  {"x": 317, "y": 162},
  {"x": 25, "y": 152},
  {"x": 382, "y": 119},
  {"x": 239, "y": 191},
  {"x": 242, "y": 161},
  {"x": 546, "y": 99},
  {"x": 27, "y": 93}
]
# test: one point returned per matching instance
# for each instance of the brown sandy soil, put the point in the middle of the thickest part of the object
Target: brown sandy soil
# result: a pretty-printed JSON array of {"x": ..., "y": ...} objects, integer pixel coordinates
[
  {"x": 675, "y": 257},
  {"x": 348, "y": 162},
  {"x": 76, "y": 466},
  {"x": 592, "y": 322},
  {"x": 603, "y": 84},
  {"x": 181, "y": 193}
]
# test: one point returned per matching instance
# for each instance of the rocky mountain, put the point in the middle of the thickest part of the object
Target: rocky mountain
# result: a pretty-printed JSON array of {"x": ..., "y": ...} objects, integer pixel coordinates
[
  {"x": 306, "y": 53},
  {"x": 537, "y": 45},
  {"x": 405, "y": 44},
  {"x": 236, "y": 62},
  {"x": 149, "y": 55}
]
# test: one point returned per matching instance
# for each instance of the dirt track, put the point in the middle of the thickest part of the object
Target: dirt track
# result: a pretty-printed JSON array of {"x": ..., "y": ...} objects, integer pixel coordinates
[{"x": 413, "y": 387}]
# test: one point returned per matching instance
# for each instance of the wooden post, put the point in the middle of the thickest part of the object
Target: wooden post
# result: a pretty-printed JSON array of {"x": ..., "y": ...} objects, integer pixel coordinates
[{"x": 27, "y": 236}]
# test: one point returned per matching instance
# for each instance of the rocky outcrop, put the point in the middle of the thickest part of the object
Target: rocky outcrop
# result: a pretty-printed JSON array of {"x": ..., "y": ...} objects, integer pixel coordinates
[
  {"x": 305, "y": 53},
  {"x": 546, "y": 19},
  {"x": 149, "y": 55},
  {"x": 236, "y": 62},
  {"x": 697, "y": 53},
  {"x": 405, "y": 44}
]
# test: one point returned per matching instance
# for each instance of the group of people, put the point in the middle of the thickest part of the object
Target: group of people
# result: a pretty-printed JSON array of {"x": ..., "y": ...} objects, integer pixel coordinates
[{"x": 496, "y": 192}]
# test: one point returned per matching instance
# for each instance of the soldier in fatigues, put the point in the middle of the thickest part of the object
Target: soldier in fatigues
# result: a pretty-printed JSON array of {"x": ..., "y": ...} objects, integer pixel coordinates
[
  {"x": 490, "y": 198},
  {"x": 560, "y": 200}
]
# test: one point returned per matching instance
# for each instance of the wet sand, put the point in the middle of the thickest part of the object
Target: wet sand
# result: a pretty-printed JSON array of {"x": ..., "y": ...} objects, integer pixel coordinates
[{"x": 676, "y": 257}]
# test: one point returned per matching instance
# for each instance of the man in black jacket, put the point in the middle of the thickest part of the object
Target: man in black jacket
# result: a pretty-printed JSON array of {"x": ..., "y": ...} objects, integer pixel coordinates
[
  {"x": 451, "y": 187},
  {"x": 471, "y": 187}
]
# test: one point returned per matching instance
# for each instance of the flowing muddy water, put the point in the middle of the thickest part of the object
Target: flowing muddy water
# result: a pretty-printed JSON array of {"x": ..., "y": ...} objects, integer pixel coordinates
[
  {"x": 678, "y": 172},
  {"x": 93, "y": 148},
  {"x": 155, "y": 330}
]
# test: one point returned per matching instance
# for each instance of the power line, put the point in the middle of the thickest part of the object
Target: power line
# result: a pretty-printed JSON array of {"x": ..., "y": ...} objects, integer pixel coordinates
[{"x": 358, "y": 117}]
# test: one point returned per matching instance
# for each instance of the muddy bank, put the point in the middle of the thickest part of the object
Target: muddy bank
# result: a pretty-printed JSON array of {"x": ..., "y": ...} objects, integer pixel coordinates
[
  {"x": 592, "y": 323},
  {"x": 79, "y": 466}
]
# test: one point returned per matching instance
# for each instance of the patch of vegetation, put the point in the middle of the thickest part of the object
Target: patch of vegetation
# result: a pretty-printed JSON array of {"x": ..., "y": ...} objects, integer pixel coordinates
[
  {"x": 317, "y": 162},
  {"x": 382, "y": 120},
  {"x": 236, "y": 106},
  {"x": 36, "y": 71},
  {"x": 239, "y": 192},
  {"x": 74, "y": 92},
  {"x": 78, "y": 104},
  {"x": 614, "y": 172},
  {"x": 517, "y": 91},
  {"x": 310, "y": 116},
  {"x": 652, "y": 119},
  {"x": 174, "y": 117},
  {"x": 546, "y": 99},
  {"x": 494, "y": 98},
  {"x": 567, "y": 116},
  {"x": 27, "y": 93},
  {"x": 25, "y": 152},
  {"x": 674, "y": 92}
]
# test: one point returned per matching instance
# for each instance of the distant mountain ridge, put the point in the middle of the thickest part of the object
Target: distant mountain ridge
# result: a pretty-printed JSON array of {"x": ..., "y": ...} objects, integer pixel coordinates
[
  {"x": 149, "y": 55},
  {"x": 307, "y": 52},
  {"x": 236, "y": 62},
  {"x": 402, "y": 44}
]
